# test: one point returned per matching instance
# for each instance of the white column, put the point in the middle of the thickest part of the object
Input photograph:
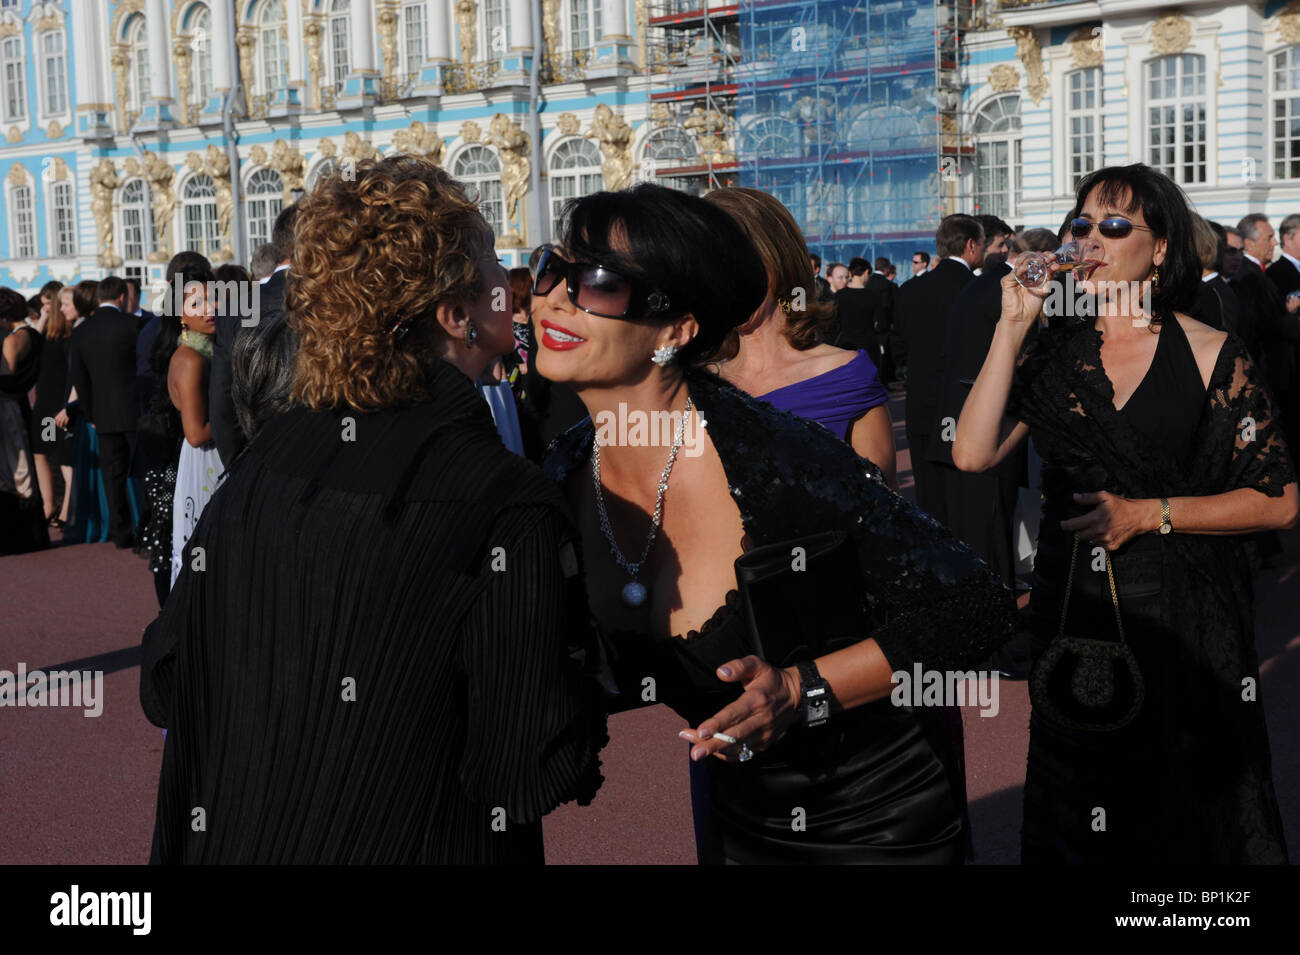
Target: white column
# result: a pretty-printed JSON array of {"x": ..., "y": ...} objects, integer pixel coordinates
[
  {"x": 521, "y": 24},
  {"x": 363, "y": 36},
  {"x": 440, "y": 30},
  {"x": 219, "y": 41},
  {"x": 613, "y": 18},
  {"x": 86, "y": 42},
  {"x": 156, "y": 22},
  {"x": 297, "y": 75}
]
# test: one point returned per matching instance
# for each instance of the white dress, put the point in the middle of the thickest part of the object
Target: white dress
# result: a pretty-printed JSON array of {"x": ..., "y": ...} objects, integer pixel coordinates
[{"x": 196, "y": 480}]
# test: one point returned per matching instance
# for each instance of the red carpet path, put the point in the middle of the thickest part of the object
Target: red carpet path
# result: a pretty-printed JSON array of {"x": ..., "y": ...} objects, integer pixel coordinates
[{"x": 79, "y": 790}]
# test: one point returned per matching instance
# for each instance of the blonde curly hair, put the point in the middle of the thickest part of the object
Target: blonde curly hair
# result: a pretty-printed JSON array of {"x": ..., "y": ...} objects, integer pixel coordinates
[{"x": 374, "y": 251}]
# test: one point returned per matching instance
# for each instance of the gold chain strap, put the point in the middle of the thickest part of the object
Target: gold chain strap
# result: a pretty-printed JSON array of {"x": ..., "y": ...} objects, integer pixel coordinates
[{"x": 1069, "y": 583}]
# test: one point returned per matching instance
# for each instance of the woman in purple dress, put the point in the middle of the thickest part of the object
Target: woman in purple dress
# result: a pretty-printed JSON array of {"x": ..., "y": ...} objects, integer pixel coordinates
[{"x": 775, "y": 356}]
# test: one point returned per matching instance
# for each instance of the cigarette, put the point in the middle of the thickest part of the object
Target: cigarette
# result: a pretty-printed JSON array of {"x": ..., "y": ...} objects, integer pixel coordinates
[{"x": 725, "y": 738}]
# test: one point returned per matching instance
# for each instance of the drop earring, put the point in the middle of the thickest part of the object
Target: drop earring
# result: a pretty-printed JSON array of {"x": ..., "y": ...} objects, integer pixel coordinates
[
  {"x": 664, "y": 355},
  {"x": 471, "y": 334},
  {"x": 1155, "y": 280}
]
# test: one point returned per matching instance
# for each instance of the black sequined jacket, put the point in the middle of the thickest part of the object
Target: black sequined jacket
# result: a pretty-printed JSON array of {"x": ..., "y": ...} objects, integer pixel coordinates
[{"x": 791, "y": 477}]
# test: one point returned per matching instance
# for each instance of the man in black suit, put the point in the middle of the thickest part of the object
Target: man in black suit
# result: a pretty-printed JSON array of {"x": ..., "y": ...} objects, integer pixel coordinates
[
  {"x": 1285, "y": 275},
  {"x": 1276, "y": 325},
  {"x": 885, "y": 291},
  {"x": 921, "y": 314},
  {"x": 228, "y": 428},
  {"x": 102, "y": 368},
  {"x": 997, "y": 241}
]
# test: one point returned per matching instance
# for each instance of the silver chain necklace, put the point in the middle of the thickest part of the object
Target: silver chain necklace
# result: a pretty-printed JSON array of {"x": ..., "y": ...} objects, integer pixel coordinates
[{"x": 634, "y": 593}]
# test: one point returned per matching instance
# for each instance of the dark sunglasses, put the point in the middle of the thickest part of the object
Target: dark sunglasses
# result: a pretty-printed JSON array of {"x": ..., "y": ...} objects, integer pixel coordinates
[
  {"x": 596, "y": 289},
  {"x": 1116, "y": 227}
]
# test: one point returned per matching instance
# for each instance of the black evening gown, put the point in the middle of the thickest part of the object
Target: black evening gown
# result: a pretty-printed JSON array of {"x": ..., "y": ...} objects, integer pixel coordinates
[
  {"x": 880, "y": 783},
  {"x": 1188, "y": 781},
  {"x": 51, "y": 387},
  {"x": 381, "y": 660}
]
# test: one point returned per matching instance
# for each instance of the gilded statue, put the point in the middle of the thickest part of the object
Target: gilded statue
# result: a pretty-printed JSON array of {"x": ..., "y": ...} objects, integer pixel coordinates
[
  {"x": 615, "y": 139},
  {"x": 513, "y": 144},
  {"x": 466, "y": 17},
  {"x": 159, "y": 173},
  {"x": 103, "y": 180}
]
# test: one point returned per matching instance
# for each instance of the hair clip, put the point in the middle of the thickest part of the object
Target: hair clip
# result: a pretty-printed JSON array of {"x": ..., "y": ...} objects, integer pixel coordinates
[{"x": 400, "y": 328}]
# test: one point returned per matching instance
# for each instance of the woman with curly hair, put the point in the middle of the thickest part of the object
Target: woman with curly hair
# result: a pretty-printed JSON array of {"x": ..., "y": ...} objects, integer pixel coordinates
[{"x": 372, "y": 662}]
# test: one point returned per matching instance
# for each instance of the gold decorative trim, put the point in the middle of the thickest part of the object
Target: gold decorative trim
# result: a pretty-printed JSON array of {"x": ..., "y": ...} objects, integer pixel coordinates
[
  {"x": 470, "y": 131},
  {"x": 1031, "y": 57},
  {"x": 15, "y": 135},
  {"x": 103, "y": 180},
  {"x": 10, "y": 28},
  {"x": 660, "y": 115},
  {"x": 466, "y": 21},
  {"x": 388, "y": 54},
  {"x": 1288, "y": 23},
  {"x": 246, "y": 40},
  {"x": 614, "y": 137},
  {"x": 568, "y": 124},
  {"x": 313, "y": 31},
  {"x": 19, "y": 176},
  {"x": 354, "y": 147},
  {"x": 709, "y": 127},
  {"x": 1086, "y": 47},
  {"x": 131, "y": 167},
  {"x": 181, "y": 55},
  {"x": 327, "y": 148},
  {"x": 1171, "y": 34},
  {"x": 124, "y": 10},
  {"x": 58, "y": 170},
  {"x": 1004, "y": 78},
  {"x": 54, "y": 130},
  {"x": 292, "y": 167},
  {"x": 121, "y": 61}
]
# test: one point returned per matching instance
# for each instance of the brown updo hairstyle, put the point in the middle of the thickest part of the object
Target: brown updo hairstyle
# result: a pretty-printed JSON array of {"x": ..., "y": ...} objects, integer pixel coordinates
[
  {"x": 371, "y": 251},
  {"x": 781, "y": 246}
]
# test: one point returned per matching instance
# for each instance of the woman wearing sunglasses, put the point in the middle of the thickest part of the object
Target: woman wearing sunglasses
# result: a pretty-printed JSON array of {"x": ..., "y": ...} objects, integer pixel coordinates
[
  {"x": 644, "y": 287},
  {"x": 1161, "y": 453}
]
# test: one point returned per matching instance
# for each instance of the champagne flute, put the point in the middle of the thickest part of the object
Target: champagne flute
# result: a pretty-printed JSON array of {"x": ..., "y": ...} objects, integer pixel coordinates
[{"x": 1033, "y": 268}]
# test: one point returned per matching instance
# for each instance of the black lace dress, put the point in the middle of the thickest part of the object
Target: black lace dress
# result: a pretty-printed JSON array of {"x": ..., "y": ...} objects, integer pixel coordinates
[
  {"x": 879, "y": 783},
  {"x": 1189, "y": 780}
]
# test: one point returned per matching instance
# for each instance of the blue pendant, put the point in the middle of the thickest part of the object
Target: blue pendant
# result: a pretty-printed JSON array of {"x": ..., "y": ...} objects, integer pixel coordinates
[{"x": 634, "y": 594}]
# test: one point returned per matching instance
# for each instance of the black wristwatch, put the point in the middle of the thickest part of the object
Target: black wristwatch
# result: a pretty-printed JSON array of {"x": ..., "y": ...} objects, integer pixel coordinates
[{"x": 816, "y": 694}]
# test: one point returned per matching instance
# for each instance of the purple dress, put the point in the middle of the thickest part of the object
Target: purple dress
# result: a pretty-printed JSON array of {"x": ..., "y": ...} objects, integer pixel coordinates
[{"x": 834, "y": 399}]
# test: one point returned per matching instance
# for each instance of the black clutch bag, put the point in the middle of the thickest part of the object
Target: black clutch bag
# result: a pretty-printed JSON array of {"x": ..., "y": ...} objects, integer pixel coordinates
[
  {"x": 803, "y": 598},
  {"x": 1084, "y": 684}
]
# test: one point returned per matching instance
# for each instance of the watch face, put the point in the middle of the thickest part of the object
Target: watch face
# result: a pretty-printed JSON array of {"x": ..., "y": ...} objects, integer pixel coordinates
[
  {"x": 819, "y": 711},
  {"x": 1166, "y": 528}
]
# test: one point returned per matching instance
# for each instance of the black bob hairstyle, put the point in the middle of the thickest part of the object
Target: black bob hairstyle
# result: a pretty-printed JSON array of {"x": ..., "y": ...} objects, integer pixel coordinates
[
  {"x": 679, "y": 244},
  {"x": 1164, "y": 206}
]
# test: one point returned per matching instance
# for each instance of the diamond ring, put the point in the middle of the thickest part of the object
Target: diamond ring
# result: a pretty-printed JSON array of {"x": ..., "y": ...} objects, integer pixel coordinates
[{"x": 745, "y": 753}]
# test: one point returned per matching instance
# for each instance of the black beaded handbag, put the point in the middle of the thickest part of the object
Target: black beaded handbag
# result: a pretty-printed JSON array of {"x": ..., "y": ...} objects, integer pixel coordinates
[{"x": 1084, "y": 684}]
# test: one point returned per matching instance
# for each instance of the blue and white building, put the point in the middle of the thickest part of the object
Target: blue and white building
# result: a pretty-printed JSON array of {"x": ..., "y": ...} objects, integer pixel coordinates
[{"x": 134, "y": 129}]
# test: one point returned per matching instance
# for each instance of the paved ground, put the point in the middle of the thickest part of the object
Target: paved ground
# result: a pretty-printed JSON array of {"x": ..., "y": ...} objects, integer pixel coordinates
[{"x": 74, "y": 789}]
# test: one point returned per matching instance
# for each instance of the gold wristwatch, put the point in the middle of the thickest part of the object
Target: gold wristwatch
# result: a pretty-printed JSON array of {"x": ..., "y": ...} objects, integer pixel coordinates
[{"x": 1165, "y": 525}]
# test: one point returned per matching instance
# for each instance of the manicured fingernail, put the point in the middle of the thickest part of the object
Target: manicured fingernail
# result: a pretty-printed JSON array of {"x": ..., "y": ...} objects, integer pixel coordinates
[
  {"x": 706, "y": 734},
  {"x": 684, "y": 734},
  {"x": 697, "y": 753},
  {"x": 725, "y": 671}
]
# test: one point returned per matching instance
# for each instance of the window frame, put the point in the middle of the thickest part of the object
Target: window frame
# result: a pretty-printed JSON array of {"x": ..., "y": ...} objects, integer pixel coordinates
[
  {"x": 1013, "y": 137},
  {"x": 1179, "y": 102},
  {"x": 491, "y": 199},
  {"x": 54, "y": 228},
  {"x": 556, "y": 173}
]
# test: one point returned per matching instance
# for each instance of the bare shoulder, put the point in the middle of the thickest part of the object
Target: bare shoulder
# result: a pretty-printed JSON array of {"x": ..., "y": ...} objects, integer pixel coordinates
[
  {"x": 824, "y": 358},
  {"x": 1206, "y": 344},
  {"x": 185, "y": 363}
]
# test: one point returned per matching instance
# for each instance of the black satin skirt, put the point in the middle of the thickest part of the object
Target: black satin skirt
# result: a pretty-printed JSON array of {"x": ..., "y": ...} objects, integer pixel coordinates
[{"x": 876, "y": 785}]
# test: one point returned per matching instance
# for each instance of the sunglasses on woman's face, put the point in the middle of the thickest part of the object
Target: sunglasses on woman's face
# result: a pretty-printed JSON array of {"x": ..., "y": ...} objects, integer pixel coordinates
[
  {"x": 1116, "y": 227},
  {"x": 596, "y": 289}
]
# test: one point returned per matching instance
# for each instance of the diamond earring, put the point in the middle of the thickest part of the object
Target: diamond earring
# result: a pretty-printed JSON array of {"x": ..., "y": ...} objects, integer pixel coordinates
[
  {"x": 471, "y": 334},
  {"x": 664, "y": 355}
]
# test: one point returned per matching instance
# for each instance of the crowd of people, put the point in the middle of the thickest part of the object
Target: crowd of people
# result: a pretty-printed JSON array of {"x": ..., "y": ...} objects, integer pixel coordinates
[{"x": 404, "y": 578}]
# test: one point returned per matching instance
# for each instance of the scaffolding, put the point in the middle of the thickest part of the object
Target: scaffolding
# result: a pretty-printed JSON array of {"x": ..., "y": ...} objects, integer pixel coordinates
[
  {"x": 693, "y": 55},
  {"x": 848, "y": 113}
]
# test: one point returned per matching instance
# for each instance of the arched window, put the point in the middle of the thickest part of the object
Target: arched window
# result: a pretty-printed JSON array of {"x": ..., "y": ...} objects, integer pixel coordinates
[
  {"x": 670, "y": 146},
  {"x": 272, "y": 36},
  {"x": 265, "y": 198},
  {"x": 479, "y": 170},
  {"x": 15, "y": 78},
  {"x": 23, "y": 223},
  {"x": 584, "y": 24},
  {"x": 200, "y": 199},
  {"x": 415, "y": 24},
  {"x": 138, "y": 227},
  {"x": 340, "y": 43},
  {"x": 575, "y": 172},
  {"x": 63, "y": 219},
  {"x": 772, "y": 136},
  {"x": 137, "y": 37},
  {"x": 1285, "y": 113},
  {"x": 997, "y": 157},
  {"x": 1083, "y": 95},
  {"x": 496, "y": 29},
  {"x": 201, "y": 85},
  {"x": 54, "y": 73},
  {"x": 1176, "y": 116},
  {"x": 327, "y": 168}
]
